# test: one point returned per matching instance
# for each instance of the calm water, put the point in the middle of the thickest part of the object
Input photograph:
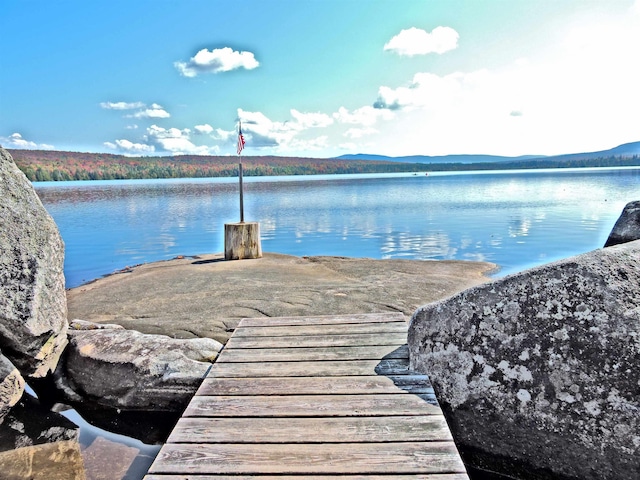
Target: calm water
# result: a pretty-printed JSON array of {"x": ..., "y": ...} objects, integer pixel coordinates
[{"x": 514, "y": 219}]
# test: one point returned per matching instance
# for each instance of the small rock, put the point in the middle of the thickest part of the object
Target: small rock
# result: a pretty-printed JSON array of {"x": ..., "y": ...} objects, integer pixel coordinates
[
  {"x": 11, "y": 386},
  {"x": 627, "y": 227},
  {"x": 77, "y": 324},
  {"x": 107, "y": 460}
]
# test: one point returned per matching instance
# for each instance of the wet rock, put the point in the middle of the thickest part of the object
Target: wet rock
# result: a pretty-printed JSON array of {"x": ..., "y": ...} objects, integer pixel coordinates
[
  {"x": 627, "y": 227},
  {"x": 133, "y": 371},
  {"x": 107, "y": 460},
  {"x": 537, "y": 373},
  {"x": 11, "y": 386},
  {"x": 33, "y": 308},
  {"x": 36, "y": 443},
  {"x": 48, "y": 461},
  {"x": 28, "y": 423}
]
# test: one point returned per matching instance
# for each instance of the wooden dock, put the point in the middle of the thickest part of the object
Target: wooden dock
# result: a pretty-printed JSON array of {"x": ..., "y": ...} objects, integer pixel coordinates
[{"x": 312, "y": 397}]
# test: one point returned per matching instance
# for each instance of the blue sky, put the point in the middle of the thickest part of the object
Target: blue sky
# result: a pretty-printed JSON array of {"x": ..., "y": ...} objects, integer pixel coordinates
[{"x": 320, "y": 78}]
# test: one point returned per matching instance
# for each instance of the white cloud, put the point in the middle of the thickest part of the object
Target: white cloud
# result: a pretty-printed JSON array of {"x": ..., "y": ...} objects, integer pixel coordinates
[
  {"x": 365, "y": 116},
  {"x": 360, "y": 132},
  {"x": 414, "y": 41},
  {"x": 430, "y": 90},
  {"x": 154, "y": 111},
  {"x": 177, "y": 141},
  {"x": 260, "y": 131},
  {"x": 216, "y": 61},
  {"x": 311, "y": 120},
  {"x": 15, "y": 140},
  {"x": 294, "y": 136},
  {"x": 224, "y": 136},
  {"x": 203, "y": 129},
  {"x": 122, "y": 105},
  {"x": 313, "y": 144},
  {"x": 129, "y": 147}
]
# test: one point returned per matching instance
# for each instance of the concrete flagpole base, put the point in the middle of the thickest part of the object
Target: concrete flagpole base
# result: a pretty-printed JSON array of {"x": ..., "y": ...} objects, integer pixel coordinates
[{"x": 242, "y": 241}]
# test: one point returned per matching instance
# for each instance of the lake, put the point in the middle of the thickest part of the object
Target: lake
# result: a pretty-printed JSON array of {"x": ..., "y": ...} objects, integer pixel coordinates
[{"x": 515, "y": 219}]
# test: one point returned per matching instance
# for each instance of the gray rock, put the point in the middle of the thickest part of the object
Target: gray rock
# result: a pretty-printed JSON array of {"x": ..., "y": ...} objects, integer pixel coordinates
[
  {"x": 33, "y": 305},
  {"x": 11, "y": 386},
  {"x": 627, "y": 227},
  {"x": 133, "y": 371},
  {"x": 538, "y": 373}
]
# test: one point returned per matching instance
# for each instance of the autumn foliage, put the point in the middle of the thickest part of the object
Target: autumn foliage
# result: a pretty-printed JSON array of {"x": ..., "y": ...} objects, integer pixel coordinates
[{"x": 47, "y": 165}]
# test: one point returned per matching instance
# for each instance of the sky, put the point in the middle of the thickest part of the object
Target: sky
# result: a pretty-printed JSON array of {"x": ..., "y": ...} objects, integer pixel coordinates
[{"x": 320, "y": 78}]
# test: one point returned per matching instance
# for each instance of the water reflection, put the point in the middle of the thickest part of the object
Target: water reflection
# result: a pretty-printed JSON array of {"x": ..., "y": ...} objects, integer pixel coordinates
[{"x": 514, "y": 219}]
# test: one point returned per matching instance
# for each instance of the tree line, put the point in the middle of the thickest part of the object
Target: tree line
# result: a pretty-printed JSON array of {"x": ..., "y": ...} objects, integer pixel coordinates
[{"x": 46, "y": 165}]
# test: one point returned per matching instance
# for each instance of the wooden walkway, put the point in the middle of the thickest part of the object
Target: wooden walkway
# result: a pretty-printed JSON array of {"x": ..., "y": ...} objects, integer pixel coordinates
[{"x": 312, "y": 397}]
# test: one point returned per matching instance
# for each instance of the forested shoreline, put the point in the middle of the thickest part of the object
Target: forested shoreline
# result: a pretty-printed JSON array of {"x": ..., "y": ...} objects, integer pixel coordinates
[{"x": 48, "y": 165}]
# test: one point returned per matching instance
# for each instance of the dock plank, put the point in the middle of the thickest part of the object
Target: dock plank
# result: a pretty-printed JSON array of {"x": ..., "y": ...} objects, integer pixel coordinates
[
  {"x": 310, "y": 405},
  {"x": 418, "y": 476},
  {"x": 324, "y": 320},
  {"x": 331, "y": 329},
  {"x": 310, "y": 369},
  {"x": 301, "y": 459},
  {"x": 363, "y": 385},
  {"x": 299, "y": 354},
  {"x": 297, "y": 341},
  {"x": 422, "y": 428}
]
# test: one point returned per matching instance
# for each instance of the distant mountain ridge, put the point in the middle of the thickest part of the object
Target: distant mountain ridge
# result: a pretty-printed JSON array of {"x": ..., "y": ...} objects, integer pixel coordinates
[{"x": 624, "y": 150}]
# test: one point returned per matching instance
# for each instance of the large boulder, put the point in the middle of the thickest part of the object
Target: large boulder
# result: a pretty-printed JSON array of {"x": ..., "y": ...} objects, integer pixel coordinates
[
  {"x": 11, "y": 386},
  {"x": 129, "y": 370},
  {"x": 538, "y": 373},
  {"x": 33, "y": 305},
  {"x": 627, "y": 227}
]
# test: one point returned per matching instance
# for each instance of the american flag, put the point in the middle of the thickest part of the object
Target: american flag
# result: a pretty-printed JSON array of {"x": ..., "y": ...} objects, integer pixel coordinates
[{"x": 240, "y": 139}]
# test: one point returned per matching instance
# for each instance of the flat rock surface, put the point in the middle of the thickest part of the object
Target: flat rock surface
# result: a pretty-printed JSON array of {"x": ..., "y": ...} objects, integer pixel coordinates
[{"x": 206, "y": 296}]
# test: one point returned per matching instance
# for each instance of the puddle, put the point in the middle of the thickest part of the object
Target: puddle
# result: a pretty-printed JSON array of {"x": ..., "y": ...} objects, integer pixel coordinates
[{"x": 111, "y": 444}]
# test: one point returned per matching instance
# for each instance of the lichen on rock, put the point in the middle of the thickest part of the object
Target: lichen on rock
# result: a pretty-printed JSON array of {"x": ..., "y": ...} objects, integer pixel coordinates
[{"x": 540, "y": 362}]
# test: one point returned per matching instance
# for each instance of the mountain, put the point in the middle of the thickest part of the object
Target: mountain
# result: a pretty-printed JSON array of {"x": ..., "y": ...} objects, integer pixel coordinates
[
  {"x": 470, "y": 158},
  {"x": 624, "y": 150}
]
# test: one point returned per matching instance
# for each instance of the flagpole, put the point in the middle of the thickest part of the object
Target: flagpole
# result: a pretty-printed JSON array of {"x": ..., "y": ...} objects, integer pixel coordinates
[
  {"x": 240, "y": 147},
  {"x": 241, "y": 190}
]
